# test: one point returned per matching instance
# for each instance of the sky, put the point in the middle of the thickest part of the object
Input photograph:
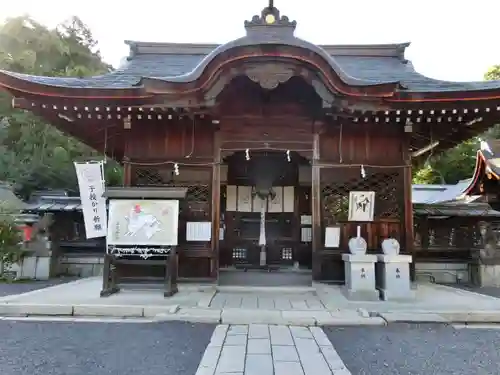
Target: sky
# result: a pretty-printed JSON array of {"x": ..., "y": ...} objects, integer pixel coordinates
[{"x": 451, "y": 40}]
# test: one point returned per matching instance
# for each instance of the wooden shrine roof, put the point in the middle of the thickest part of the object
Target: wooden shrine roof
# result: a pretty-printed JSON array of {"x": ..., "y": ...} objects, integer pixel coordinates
[
  {"x": 363, "y": 65},
  {"x": 490, "y": 153},
  {"x": 379, "y": 67},
  {"x": 456, "y": 209},
  {"x": 353, "y": 84},
  {"x": 177, "y": 62},
  {"x": 441, "y": 193},
  {"x": 487, "y": 166}
]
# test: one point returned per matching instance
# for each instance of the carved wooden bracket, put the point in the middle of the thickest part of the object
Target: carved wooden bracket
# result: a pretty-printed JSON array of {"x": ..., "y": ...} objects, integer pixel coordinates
[{"x": 269, "y": 75}]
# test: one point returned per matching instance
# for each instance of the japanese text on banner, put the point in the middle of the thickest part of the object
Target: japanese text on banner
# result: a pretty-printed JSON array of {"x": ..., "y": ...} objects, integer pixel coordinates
[{"x": 91, "y": 185}]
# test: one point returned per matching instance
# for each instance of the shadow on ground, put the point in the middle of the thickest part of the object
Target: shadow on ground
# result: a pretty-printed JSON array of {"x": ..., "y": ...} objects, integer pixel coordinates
[
  {"x": 417, "y": 349},
  {"x": 485, "y": 291},
  {"x": 41, "y": 348},
  {"x": 24, "y": 286}
]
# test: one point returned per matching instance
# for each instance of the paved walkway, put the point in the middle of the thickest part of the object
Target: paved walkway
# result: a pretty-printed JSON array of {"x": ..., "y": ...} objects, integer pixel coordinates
[
  {"x": 268, "y": 301},
  {"x": 270, "y": 350},
  {"x": 318, "y": 305}
]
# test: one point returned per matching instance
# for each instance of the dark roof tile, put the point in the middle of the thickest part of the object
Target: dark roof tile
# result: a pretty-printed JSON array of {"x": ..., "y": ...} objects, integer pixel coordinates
[{"x": 374, "y": 69}]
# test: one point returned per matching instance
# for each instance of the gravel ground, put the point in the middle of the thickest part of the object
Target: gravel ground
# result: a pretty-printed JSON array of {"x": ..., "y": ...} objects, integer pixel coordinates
[
  {"x": 403, "y": 349},
  {"x": 55, "y": 348},
  {"x": 7, "y": 289}
]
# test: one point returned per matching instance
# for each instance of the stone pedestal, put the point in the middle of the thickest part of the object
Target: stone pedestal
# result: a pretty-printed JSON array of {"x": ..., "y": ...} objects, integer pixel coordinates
[
  {"x": 486, "y": 275},
  {"x": 360, "y": 277},
  {"x": 393, "y": 277}
]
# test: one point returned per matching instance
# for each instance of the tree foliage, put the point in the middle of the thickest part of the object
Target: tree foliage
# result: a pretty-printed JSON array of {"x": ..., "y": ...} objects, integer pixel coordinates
[
  {"x": 493, "y": 73},
  {"x": 34, "y": 154},
  {"x": 457, "y": 163},
  {"x": 10, "y": 239}
]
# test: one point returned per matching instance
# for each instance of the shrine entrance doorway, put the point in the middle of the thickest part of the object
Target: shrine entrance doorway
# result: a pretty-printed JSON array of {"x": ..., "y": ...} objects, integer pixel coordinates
[{"x": 261, "y": 207}]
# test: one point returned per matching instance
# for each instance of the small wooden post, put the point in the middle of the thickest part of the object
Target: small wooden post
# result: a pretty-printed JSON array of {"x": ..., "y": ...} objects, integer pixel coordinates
[
  {"x": 105, "y": 276},
  {"x": 171, "y": 273},
  {"x": 109, "y": 277},
  {"x": 127, "y": 172}
]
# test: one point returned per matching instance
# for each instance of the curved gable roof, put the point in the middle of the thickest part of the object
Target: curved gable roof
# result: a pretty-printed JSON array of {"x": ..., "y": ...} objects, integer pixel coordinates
[
  {"x": 356, "y": 65},
  {"x": 359, "y": 64}
]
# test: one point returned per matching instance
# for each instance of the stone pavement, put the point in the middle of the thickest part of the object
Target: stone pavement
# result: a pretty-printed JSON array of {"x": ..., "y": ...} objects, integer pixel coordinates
[
  {"x": 104, "y": 346},
  {"x": 268, "y": 301},
  {"x": 318, "y": 305},
  {"x": 270, "y": 350}
]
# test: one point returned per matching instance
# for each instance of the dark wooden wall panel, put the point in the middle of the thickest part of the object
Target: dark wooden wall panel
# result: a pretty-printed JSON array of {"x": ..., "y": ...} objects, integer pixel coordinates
[
  {"x": 266, "y": 129},
  {"x": 379, "y": 147},
  {"x": 361, "y": 143},
  {"x": 171, "y": 140}
]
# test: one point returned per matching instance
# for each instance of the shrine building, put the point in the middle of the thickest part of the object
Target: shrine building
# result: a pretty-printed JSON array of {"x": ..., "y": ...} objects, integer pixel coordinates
[
  {"x": 485, "y": 180},
  {"x": 273, "y": 116}
]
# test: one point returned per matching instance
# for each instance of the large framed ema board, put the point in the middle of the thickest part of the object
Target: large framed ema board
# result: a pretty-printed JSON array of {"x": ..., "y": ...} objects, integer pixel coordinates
[{"x": 143, "y": 222}]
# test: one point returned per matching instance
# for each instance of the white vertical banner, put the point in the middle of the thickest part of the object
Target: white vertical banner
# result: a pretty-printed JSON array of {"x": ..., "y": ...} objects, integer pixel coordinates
[{"x": 91, "y": 185}]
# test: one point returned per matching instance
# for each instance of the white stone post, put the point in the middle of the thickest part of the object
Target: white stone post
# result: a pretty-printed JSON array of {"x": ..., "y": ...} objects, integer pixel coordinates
[
  {"x": 359, "y": 271},
  {"x": 393, "y": 272}
]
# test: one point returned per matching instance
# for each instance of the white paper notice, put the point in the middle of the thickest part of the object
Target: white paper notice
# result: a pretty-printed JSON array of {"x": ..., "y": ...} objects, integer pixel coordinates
[
  {"x": 288, "y": 199},
  {"x": 305, "y": 220},
  {"x": 199, "y": 231},
  {"x": 231, "y": 198},
  {"x": 332, "y": 237},
  {"x": 276, "y": 204},
  {"x": 244, "y": 199},
  {"x": 306, "y": 234}
]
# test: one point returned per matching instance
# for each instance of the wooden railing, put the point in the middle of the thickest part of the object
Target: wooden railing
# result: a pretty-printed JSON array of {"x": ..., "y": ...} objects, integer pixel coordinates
[{"x": 447, "y": 239}]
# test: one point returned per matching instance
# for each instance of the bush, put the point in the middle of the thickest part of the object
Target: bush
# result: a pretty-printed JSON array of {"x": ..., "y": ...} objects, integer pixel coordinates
[{"x": 10, "y": 243}]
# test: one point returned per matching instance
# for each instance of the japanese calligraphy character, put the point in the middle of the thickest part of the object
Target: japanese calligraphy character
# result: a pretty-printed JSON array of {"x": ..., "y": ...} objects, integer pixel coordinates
[
  {"x": 97, "y": 227},
  {"x": 97, "y": 219}
]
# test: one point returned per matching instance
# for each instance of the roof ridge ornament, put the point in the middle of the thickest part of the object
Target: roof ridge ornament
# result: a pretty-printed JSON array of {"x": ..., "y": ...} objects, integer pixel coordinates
[{"x": 270, "y": 22}]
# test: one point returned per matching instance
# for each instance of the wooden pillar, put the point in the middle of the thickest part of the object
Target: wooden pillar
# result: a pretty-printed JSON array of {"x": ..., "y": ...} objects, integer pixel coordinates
[
  {"x": 110, "y": 273},
  {"x": 127, "y": 173},
  {"x": 408, "y": 206},
  {"x": 215, "y": 206},
  {"x": 127, "y": 167},
  {"x": 316, "y": 210}
]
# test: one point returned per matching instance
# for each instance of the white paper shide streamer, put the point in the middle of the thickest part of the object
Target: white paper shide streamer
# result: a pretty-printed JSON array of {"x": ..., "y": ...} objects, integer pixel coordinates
[{"x": 91, "y": 184}]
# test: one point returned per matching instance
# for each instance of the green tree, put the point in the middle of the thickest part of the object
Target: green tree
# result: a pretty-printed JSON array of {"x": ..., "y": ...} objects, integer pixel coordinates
[
  {"x": 34, "y": 154},
  {"x": 10, "y": 239},
  {"x": 493, "y": 73}
]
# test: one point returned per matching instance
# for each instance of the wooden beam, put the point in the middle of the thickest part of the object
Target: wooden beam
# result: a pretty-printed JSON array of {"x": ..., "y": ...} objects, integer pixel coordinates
[{"x": 21, "y": 103}]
